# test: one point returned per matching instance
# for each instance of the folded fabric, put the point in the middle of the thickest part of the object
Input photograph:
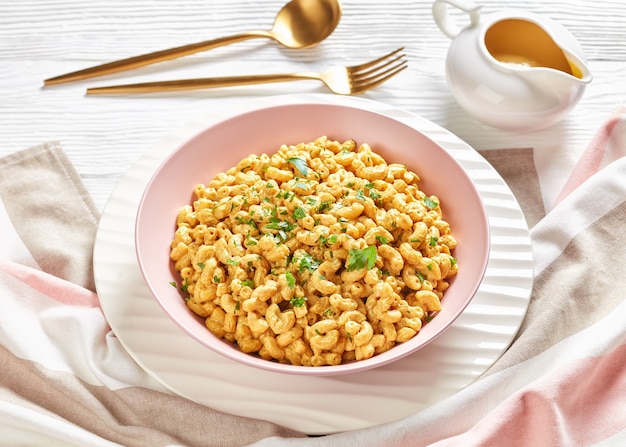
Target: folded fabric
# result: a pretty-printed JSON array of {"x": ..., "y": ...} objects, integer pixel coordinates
[
  {"x": 65, "y": 379},
  {"x": 41, "y": 191},
  {"x": 608, "y": 145}
]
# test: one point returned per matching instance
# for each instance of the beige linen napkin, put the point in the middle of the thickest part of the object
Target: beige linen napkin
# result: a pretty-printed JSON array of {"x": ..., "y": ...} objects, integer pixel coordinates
[
  {"x": 52, "y": 211},
  {"x": 128, "y": 408},
  {"x": 64, "y": 377}
]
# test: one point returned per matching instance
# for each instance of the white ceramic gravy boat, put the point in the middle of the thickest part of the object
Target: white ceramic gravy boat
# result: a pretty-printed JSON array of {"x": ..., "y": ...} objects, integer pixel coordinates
[{"x": 512, "y": 70}]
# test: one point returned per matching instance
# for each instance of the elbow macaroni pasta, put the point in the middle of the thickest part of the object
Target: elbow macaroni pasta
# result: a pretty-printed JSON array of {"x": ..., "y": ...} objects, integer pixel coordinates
[{"x": 320, "y": 254}]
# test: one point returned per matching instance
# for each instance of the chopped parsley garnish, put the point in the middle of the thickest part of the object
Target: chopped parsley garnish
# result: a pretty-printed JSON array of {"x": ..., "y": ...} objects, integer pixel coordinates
[
  {"x": 283, "y": 227},
  {"x": 300, "y": 165},
  {"x": 232, "y": 262},
  {"x": 291, "y": 280},
  {"x": 332, "y": 239},
  {"x": 306, "y": 262},
  {"x": 299, "y": 213},
  {"x": 430, "y": 203},
  {"x": 201, "y": 265},
  {"x": 382, "y": 239},
  {"x": 246, "y": 221},
  {"x": 247, "y": 283},
  {"x": 299, "y": 184},
  {"x": 361, "y": 258},
  {"x": 325, "y": 205},
  {"x": 185, "y": 285},
  {"x": 433, "y": 241},
  {"x": 251, "y": 241},
  {"x": 297, "y": 301}
]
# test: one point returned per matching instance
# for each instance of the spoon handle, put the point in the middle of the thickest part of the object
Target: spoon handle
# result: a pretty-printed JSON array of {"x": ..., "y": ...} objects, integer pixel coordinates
[
  {"x": 151, "y": 58},
  {"x": 192, "y": 84}
]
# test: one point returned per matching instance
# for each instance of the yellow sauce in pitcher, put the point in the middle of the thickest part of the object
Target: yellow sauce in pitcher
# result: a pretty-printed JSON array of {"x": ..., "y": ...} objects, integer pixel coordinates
[{"x": 520, "y": 42}]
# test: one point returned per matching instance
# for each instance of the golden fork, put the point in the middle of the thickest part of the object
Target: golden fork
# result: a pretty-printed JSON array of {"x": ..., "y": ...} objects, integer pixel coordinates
[{"x": 341, "y": 80}]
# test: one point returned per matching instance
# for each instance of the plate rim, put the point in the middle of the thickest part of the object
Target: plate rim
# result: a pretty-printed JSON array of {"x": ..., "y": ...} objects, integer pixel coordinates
[
  {"x": 282, "y": 368},
  {"x": 328, "y": 422}
]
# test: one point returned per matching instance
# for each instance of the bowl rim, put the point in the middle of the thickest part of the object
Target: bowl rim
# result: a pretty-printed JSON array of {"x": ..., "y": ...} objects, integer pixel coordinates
[{"x": 226, "y": 348}]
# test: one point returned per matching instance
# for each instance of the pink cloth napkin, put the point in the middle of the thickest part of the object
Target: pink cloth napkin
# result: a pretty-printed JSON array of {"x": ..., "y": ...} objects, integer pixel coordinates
[{"x": 66, "y": 380}]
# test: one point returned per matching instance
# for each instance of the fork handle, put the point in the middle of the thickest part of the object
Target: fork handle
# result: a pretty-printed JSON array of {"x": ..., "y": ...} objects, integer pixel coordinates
[
  {"x": 151, "y": 58},
  {"x": 191, "y": 84}
]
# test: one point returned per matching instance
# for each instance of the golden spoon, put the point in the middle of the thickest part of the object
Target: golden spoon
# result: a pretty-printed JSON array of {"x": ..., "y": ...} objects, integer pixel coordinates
[{"x": 299, "y": 24}]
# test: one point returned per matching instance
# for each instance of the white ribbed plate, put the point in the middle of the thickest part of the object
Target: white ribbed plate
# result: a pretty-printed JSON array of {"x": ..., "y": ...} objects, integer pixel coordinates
[{"x": 318, "y": 405}]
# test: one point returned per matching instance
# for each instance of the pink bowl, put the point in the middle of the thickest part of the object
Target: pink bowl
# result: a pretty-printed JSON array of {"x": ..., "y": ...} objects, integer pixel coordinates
[{"x": 221, "y": 146}]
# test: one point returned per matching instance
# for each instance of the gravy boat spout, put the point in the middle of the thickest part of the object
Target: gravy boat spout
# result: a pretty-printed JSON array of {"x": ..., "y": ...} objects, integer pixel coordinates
[
  {"x": 512, "y": 70},
  {"x": 554, "y": 91}
]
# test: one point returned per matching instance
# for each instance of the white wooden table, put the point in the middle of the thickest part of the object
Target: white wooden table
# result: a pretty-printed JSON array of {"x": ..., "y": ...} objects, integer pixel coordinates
[{"x": 103, "y": 136}]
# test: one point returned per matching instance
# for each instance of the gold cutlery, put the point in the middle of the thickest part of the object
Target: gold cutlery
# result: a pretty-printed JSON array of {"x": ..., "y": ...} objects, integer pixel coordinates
[
  {"x": 341, "y": 80},
  {"x": 299, "y": 24}
]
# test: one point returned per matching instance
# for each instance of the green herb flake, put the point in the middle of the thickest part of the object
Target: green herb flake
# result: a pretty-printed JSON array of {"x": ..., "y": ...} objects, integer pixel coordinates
[
  {"x": 307, "y": 262},
  {"x": 173, "y": 284},
  {"x": 201, "y": 265},
  {"x": 299, "y": 184},
  {"x": 382, "y": 239},
  {"x": 361, "y": 258},
  {"x": 433, "y": 241},
  {"x": 248, "y": 283},
  {"x": 299, "y": 213},
  {"x": 251, "y": 241},
  {"x": 430, "y": 203},
  {"x": 329, "y": 240},
  {"x": 297, "y": 301},
  {"x": 185, "y": 286},
  {"x": 291, "y": 280},
  {"x": 217, "y": 279},
  {"x": 232, "y": 262},
  {"x": 325, "y": 205},
  {"x": 300, "y": 165}
]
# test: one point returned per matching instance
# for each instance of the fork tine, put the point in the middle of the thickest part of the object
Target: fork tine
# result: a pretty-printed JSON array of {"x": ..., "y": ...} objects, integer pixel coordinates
[
  {"x": 363, "y": 74},
  {"x": 369, "y": 64},
  {"x": 371, "y": 74},
  {"x": 362, "y": 85}
]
